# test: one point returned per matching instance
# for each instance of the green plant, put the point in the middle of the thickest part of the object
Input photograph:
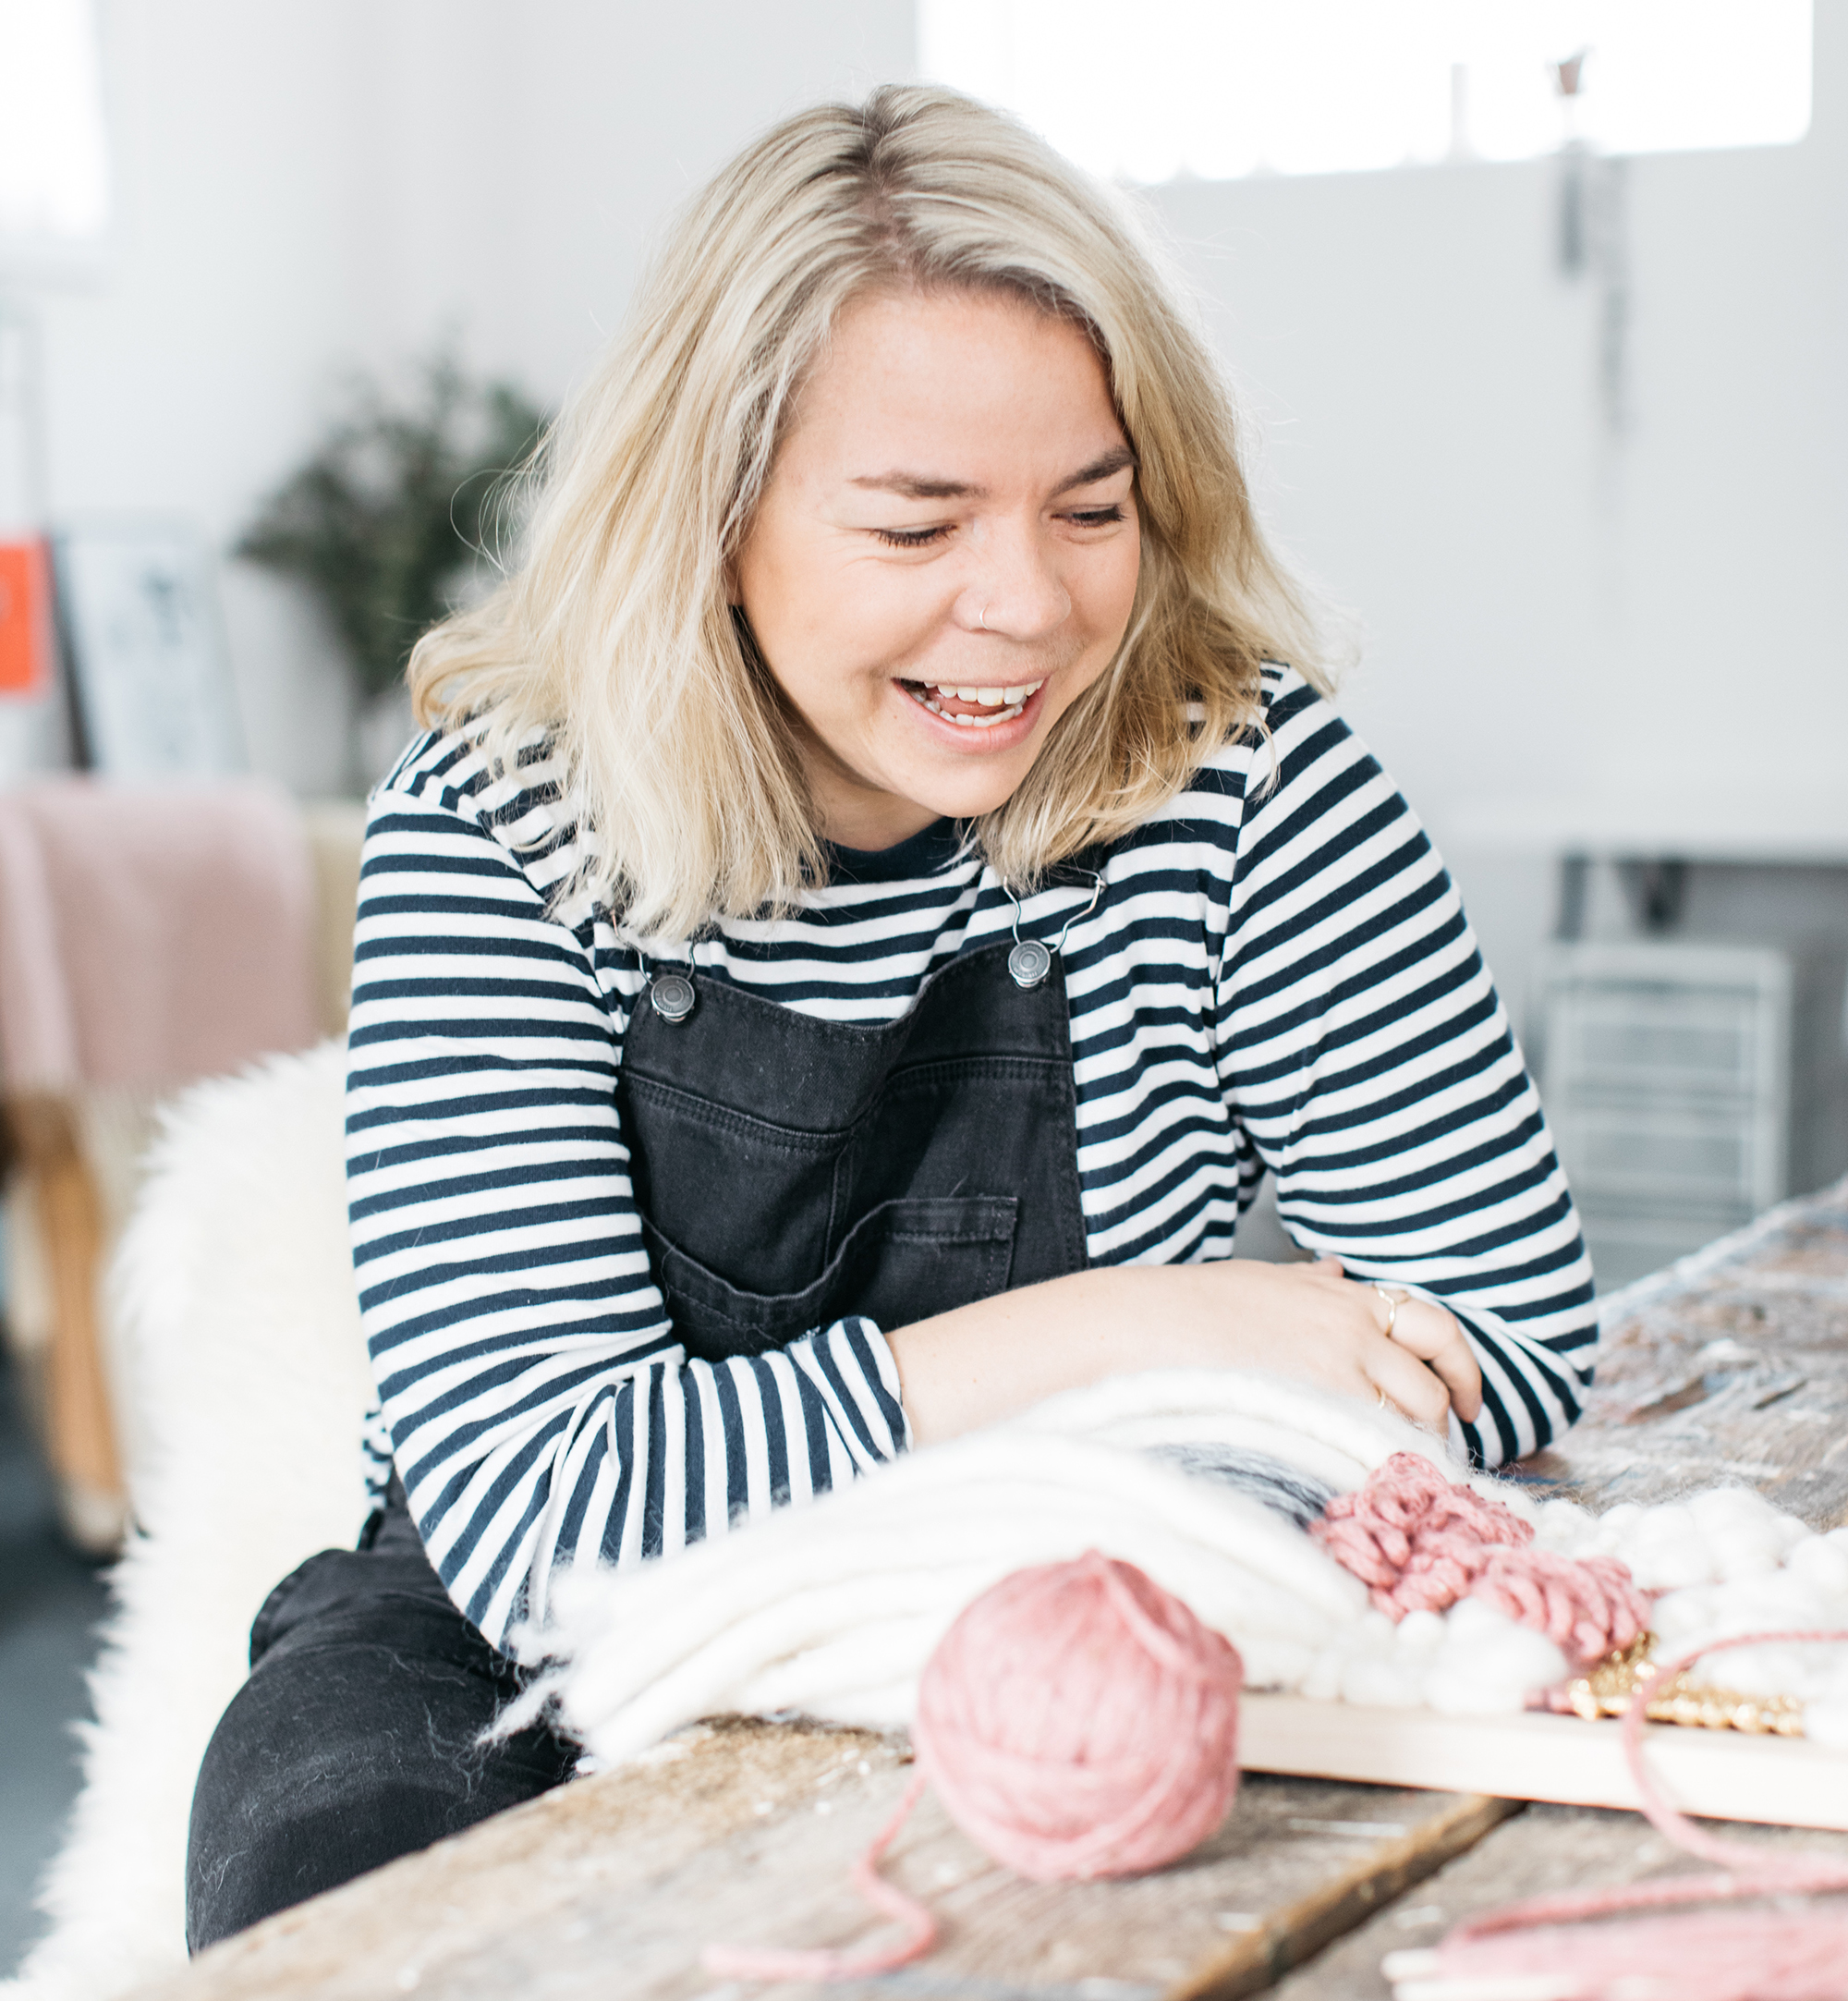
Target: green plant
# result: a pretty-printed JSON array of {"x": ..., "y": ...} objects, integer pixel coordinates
[{"x": 387, "y": 522}]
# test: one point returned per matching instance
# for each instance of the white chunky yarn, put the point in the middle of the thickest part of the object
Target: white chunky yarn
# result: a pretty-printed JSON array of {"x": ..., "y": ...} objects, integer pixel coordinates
[
  {"x": 1470, "y": 1661},
  {"x": 1728, "y": 1563},
  {"x": 832, "y": 1609}
]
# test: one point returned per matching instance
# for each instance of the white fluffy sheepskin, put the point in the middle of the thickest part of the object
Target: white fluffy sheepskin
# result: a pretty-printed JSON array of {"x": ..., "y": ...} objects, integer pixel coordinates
[{"x": 238, "y": 1325}]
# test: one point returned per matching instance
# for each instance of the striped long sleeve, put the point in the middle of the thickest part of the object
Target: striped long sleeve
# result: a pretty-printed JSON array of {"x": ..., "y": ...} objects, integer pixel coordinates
[
  {"x": 538, "y": 1404},
  {"x": 1276, "y": 976},
  {"x": 1367, "y": 1056}
]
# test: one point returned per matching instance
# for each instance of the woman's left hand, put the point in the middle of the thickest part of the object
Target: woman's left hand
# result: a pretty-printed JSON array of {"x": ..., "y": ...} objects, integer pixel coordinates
[{"x": 1428, "y": 1331}]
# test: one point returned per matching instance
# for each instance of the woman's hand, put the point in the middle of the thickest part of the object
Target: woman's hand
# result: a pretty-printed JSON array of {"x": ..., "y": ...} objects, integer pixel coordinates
[
  {"x": 1434, "y": 1336},
  {"x": 971, "y": 1367}
]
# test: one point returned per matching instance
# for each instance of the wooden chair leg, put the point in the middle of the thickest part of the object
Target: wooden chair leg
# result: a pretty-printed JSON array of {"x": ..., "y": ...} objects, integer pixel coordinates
[{"x": 81, "y": 1430}]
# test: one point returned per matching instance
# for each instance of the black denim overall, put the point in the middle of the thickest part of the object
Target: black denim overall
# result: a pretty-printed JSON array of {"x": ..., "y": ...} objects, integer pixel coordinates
[{"x": 788, "y": 1171}]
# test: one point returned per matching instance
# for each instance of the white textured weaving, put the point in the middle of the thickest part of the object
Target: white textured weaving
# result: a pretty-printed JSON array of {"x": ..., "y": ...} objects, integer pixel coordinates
[{"x": 832, "y": 1609}]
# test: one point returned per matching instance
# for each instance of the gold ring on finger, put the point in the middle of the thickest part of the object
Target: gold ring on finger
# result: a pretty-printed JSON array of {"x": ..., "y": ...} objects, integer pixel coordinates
[{"x": 1394, "y": 1300}]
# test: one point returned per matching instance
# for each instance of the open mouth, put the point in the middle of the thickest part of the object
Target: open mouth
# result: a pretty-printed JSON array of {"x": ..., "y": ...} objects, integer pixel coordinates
[{"x": 973, "y": 708}]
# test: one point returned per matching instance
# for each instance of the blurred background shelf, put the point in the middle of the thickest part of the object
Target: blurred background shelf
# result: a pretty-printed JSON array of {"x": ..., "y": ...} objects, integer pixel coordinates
[{"x": 1690, "y": 1087}]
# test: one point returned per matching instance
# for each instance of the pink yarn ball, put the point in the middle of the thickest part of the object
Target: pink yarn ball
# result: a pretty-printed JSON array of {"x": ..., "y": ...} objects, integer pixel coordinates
[{"x": 1077, "y": 1721}]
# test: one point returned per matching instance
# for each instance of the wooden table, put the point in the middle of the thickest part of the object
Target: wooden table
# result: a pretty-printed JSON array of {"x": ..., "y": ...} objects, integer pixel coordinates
[{"x": 1734, "y": 1367}]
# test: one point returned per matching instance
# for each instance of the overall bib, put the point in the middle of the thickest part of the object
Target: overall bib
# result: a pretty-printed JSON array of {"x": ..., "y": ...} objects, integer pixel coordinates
[{"x": 788, "y": 1171}]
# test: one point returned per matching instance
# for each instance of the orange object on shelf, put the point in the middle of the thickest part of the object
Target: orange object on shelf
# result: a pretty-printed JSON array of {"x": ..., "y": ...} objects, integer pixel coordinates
[{"x": 25, "y": 618}]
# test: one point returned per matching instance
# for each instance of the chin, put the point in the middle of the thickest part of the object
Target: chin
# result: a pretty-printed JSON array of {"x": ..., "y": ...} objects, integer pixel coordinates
[{"x": 966, "y": 801}]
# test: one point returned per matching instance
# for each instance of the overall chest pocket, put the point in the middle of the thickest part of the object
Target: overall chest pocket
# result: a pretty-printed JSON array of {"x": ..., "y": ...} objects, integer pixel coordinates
[
  {"x": 790, "y": 1170},
  {"x": 902, "y": 1261}
]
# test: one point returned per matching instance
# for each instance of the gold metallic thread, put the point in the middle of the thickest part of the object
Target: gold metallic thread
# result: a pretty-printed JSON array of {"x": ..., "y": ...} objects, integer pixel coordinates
[{"x": 1609, "y": 1689}]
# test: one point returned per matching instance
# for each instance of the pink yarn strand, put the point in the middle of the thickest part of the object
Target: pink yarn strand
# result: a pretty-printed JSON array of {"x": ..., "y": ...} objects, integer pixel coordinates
[
  {"x": 1756, "y": 1955},
  {"x": 1158, "y": 1642},
  {"x": 1669, "y": 1819},
  {"x": 753, "y": 1963},
  {"x": 1587, "y": 1605},
  {"x": 1746, "y": 1956}
]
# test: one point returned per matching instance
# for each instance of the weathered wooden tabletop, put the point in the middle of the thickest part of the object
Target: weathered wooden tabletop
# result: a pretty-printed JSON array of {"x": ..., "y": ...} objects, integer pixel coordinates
[{"x": 1732, "y": 1368}]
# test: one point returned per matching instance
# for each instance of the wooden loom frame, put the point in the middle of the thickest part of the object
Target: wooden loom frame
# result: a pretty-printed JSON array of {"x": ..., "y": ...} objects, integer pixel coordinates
[{"x": 1727, "y": 1774}]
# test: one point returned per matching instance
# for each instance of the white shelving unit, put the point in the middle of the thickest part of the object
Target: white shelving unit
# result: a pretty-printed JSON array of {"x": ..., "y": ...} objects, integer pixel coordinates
[{"x": 1667, "y": 1072}]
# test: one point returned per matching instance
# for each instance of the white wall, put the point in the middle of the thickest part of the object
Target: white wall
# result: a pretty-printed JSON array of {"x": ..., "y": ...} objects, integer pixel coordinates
[
  {"x": 1548, "y": 612},
  {"x": 311, "y": 185}
]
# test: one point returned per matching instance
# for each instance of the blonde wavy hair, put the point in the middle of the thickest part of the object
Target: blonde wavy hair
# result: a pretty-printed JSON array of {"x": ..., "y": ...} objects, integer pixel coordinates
[{"x": 615, "y": 636}]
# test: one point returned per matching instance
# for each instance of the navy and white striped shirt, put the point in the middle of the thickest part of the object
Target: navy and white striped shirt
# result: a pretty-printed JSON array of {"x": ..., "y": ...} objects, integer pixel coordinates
[{"x": 1278, "y": 976}]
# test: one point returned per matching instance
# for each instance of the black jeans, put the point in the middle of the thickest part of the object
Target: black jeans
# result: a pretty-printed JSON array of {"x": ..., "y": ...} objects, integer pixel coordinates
[{"x": 354, "y": 1741}]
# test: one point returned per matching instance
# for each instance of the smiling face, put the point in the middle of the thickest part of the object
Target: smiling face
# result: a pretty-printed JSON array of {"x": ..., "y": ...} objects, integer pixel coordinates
[{"x": 944, "y": 558}]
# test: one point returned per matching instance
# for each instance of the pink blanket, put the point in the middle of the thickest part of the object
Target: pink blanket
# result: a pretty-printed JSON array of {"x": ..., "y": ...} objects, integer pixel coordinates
[{"x": 150, "y": 935}]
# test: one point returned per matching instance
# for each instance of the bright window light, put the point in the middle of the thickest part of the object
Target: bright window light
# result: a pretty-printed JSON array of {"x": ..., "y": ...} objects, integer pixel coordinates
[
  {"x": 1220, "y": 88},
  {"x": 54, "y": 161}
]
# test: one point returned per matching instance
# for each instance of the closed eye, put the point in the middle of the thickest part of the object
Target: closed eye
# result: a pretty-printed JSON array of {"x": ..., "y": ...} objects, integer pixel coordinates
[
  {"x": 922, "y": 538},
  {"x": 911, "y": 538}
]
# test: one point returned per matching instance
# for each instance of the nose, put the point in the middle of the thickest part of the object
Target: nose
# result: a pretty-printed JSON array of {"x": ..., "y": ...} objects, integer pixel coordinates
[{"x": 1017, "y": 594}]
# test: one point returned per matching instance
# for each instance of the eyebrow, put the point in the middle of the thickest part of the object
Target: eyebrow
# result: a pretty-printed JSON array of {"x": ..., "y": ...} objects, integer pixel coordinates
[{"x": 921, "y": 486}]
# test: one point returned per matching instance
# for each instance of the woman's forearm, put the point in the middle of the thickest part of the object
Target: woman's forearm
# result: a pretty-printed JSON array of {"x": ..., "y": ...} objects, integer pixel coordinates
[{"x": 986, "y": 1361}]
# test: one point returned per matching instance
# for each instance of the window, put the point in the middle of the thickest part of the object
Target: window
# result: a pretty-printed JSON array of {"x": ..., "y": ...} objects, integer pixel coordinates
[
  {"x": 1216, "y": 89},
  {"x": 53, "y": 162}
]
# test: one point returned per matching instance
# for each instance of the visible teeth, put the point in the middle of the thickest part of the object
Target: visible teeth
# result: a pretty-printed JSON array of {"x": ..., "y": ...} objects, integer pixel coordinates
[
  {"x": 922, "y": 697},
  {"x": 990, "y": 697}
]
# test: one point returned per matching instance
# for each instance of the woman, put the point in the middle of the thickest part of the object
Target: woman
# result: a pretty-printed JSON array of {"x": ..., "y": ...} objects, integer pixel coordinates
[{"x": 871, "y": 905}]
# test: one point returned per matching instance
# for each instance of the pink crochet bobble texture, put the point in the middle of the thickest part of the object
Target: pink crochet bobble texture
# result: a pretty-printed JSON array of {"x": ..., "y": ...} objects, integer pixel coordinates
[{"x": 1421, "y": 1542}]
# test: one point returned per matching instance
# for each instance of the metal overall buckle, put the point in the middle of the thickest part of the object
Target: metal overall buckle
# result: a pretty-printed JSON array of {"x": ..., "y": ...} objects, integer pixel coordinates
[
  {"x": 1030, "y": 962},
  {"x": 673, "y": 996}
]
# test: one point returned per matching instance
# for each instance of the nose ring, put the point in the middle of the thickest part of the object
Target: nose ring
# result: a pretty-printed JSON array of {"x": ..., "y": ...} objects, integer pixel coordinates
[{"x": 981, "y": 618}]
